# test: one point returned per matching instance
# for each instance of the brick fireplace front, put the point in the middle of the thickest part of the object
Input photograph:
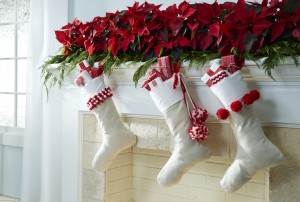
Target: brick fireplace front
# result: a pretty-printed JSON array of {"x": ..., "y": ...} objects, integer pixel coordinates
[{"x": 132, "y": 175}]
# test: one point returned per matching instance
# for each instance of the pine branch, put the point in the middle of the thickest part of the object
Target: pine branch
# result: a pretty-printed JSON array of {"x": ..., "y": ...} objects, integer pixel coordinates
[{"x": 141, "y": 71}]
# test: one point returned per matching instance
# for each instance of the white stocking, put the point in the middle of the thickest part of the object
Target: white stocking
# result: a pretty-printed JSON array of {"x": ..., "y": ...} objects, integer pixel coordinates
[{"x": 186, "y": 152}]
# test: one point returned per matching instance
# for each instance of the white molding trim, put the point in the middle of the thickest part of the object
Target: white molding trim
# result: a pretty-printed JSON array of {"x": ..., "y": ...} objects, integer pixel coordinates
[
  {"x": 276, "y": 108},
  {"x": 80, "y": 156}
]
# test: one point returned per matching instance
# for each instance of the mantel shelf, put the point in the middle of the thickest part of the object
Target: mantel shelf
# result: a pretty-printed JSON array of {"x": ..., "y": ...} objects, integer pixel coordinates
[{"x": 278, "y": 104}]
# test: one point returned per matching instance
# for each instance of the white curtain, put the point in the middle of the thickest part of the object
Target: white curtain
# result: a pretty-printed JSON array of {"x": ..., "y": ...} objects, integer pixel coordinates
[{"x": 41, "y": 179}]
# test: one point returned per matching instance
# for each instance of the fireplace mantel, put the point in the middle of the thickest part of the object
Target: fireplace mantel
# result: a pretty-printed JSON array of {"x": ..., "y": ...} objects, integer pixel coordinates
[{"x": 277, "y": 106}]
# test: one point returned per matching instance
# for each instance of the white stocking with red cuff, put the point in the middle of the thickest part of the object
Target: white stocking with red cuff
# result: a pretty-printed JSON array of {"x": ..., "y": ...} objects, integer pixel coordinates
[
  {"x": 255, "y": 151},
  {"x": 116, "y": 137},
  {"x": 186, "y": 152}
]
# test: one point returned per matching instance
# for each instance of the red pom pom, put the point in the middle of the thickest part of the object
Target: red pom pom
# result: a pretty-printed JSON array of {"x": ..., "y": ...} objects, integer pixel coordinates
[
  {"x": 199, "y": 115},
  {"x": 248, "y": 99},
  {"x": 198, "y": 132},
  {"x": 255, "y": 94},
  {"x": 236, "y": 106},
  {"x": 222, "y": 114}
]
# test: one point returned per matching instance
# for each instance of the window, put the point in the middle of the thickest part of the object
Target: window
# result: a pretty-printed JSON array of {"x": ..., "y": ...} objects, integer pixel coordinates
[{"x": 14, "y": 17}]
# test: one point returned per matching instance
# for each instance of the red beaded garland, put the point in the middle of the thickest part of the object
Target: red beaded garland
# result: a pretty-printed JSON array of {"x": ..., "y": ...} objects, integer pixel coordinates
[{"x": 99, "y": 98}]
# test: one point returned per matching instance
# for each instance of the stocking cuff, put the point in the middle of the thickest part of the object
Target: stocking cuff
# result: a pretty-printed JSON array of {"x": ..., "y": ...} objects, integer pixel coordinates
[{"x": 165, "y": 96}]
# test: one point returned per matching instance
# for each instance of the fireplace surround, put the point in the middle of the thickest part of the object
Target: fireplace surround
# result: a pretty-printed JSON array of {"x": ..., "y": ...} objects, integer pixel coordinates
[{"x": 132, "y": 176}]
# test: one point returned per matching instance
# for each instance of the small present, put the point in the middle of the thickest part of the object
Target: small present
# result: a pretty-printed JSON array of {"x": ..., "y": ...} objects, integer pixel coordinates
[
  {"x": 214, "y": 75},
  {"x": 83, "y": 65},
  {"x": 163, "y": 71},
  {"x": 232, "y": 63},
  {"x": 164, "y": 68},
  {"x": 93, "y": 71}
]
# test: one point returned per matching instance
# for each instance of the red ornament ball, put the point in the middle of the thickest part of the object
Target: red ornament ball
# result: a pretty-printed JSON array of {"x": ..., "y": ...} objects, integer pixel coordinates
[
  {"x": 198, "y": 132},
  {"x": 248, "y": 99},
  {"x": 222, "y": 114},
  {"x": 236, "y": 106},
  {"x": 199, "y": 115},
  {"x": 255, "y": 94}
]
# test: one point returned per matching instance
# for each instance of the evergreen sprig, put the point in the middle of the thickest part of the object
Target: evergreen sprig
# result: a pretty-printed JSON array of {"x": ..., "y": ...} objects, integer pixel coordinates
[{"x": 274, "y": 54}]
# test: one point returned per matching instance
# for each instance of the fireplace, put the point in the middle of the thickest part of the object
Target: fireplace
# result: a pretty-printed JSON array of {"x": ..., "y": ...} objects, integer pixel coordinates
[{"x": 132, "y": 175}]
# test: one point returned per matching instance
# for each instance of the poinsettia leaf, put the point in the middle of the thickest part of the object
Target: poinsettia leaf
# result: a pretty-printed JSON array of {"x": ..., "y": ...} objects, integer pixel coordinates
[
  {"x": 241, "y": 4},
  {"x": 216, "y": 8},
  {"x": 206, "y": 40},
  {"x": 185, "y": 10},
  {"x": 143, "y": 31},
  {"x": 245, "y": 15},
  {"x": 214, "y": 29},
  {"x": 264, "y": 3},
  {"x": 225, "y": 28},
  {"x": 164, "y": 34},
  {"x": 265, "y": 12},
  {"x": 183, "y": 41},
  {"x": 273, "y": 3},
  {"x": 205, "y": 13},
  {"x": 228, "y": 6},
  {"x": 115, "y": 45},
  {"x": 260, "y": 26},
  {"x": 175, "y": 26},
  {"x": 158, "y": 50},
  {"x": 172, "y": 10},
  {"x": 167, "y": 45},
  {"x": 182, "y": 7},
  {"x": 276, "y": 30},
  {"x": 61, "y": 36},
  {"x": 188, "y": 12},
  {"x": 193, "y": 25},
  {"x": 125, "y": 44},
  {"x": 91, "y": 49}
]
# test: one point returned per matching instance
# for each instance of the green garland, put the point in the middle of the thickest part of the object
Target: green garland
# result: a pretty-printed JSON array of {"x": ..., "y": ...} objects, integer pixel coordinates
[{"x": 274, "y": 53}]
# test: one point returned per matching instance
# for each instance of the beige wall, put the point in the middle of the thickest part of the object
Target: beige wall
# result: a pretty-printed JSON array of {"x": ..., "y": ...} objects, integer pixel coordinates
[{"x": 132, "y": 176}]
